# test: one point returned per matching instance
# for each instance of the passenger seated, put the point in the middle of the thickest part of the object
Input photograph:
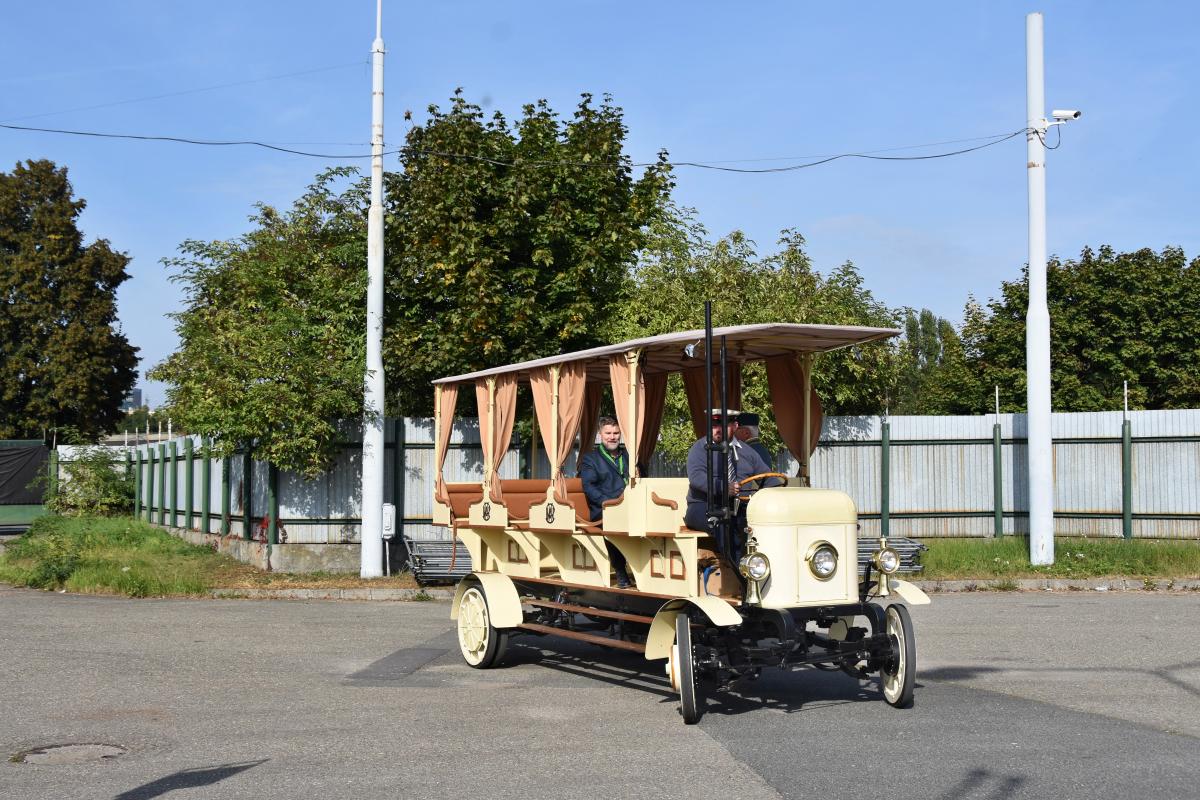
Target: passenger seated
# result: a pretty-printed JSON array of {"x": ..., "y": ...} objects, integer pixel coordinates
[{"x": 605, "y": 474}]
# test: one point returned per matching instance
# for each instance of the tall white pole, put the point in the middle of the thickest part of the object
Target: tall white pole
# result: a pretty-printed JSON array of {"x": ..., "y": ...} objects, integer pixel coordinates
[
  {"x": 1037, "y": 319},
  {"x": 373, "y": 386}
]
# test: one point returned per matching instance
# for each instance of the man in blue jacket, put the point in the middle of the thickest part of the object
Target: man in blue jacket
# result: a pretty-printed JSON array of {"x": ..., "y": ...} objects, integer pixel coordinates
[{"x": 605, "y": 474}]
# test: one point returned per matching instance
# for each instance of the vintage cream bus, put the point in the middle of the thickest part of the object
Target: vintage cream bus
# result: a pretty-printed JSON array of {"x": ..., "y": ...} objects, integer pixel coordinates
[{"x": 540, "y": 566}]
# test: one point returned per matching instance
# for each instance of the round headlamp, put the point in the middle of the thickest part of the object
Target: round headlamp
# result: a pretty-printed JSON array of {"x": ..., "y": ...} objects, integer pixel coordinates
[
  {"x": 755, "y": 567},
  {"x": 822, "y": 561},
  {"x": 887, "y": 561}
]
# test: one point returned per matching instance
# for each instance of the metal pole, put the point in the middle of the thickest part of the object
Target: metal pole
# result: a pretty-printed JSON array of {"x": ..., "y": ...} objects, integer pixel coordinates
[
  {"x": 226, "y": 499},
  {"x": 371, "y": 532},
  {"x": 162, "y": 484},
  {"x": 1126, "y": 471},
  {"x": 174, "y": 484},
  {"x": 885, "y": 473},
  {"x": 189, "y": 479},
  {"x": 206, "y": 488},
  {"x": 149, "y": 482},
  {"x": 138, "y": 480},
  {"x": 273, "y": 504},
  {"x": 1037, "y": 319},
  {"x": 997, "y": 473},
  {"x": 708, "y": 448},
  {"x": 247, "y": 494}
]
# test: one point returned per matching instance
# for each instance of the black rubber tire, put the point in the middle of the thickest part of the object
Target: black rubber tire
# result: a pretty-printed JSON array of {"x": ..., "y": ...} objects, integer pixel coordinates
[
  {"x": 898, "y": 675},
  {"x": 689, "y": 696},
  {"x": 482, "y": 645}
]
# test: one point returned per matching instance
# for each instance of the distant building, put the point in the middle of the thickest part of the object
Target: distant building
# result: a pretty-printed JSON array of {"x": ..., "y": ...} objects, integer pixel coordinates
[{"x": 132, "y": 401}]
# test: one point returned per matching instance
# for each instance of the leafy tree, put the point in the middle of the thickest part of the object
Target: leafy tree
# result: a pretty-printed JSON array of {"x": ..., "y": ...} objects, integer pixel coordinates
[
  {"x": 272, "y": 337},
  {"x": 933, "y": 374},
  {"x": 508, "y": 241},
  {"x": 681, "y": 268},
  {"x": 63, "y": 359},
  {"x": 1113, "y": 317}
]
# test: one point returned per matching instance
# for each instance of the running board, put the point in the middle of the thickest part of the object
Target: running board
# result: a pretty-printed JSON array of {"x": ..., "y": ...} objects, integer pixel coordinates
[
  {"x": 604, "y": 641},
  {"x": 590, "y": 611}
]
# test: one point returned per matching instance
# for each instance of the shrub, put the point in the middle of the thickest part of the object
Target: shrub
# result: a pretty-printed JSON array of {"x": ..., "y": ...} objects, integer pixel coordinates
[{"x": 92, "y": 485}]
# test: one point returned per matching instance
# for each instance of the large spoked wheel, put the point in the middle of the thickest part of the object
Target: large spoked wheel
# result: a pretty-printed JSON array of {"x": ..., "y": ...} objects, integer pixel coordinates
[
  {"x": 682, "y": 669},
  {"x": 899, "y": 672},
  {"x": 482, "y": 645}
]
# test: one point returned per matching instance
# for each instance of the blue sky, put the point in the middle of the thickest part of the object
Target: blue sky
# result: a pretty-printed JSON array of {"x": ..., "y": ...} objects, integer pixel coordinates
[{"x": 707, "y": 81}]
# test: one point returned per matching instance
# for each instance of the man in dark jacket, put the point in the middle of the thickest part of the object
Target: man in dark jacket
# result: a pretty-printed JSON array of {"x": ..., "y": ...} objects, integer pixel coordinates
[
  {"x": 605, "y": 474},
  {"x": 743, "y": 462},
  {"x": 747, "y": 431}
]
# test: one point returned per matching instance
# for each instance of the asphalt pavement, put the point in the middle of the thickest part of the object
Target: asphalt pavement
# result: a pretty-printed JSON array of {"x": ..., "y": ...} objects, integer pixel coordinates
[{"x": 1025, "y": 695}]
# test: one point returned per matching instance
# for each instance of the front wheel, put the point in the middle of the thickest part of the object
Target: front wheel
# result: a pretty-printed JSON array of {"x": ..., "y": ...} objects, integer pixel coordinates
[
  {"x": 482, "y": 645},
  {"x": 682, "y": 670},
  {"x": 898, "y": 674}
]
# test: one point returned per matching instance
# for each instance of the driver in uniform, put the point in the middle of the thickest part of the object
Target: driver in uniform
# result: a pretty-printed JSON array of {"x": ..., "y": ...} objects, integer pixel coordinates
[{"x": 743, "y": 462}]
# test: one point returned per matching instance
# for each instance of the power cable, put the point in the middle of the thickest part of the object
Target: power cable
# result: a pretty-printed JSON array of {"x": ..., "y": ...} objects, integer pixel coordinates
[{"x": 868, "y": 155}]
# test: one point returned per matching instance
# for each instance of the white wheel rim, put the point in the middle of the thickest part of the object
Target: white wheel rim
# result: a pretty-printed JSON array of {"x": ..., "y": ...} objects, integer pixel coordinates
[
  {"x": 473, "y": 626},
  {"x": 894, "y": 684}
]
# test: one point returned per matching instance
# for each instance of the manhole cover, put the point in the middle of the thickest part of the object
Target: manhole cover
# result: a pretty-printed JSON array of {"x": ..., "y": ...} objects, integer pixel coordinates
[{"x": 69, "y": 754}]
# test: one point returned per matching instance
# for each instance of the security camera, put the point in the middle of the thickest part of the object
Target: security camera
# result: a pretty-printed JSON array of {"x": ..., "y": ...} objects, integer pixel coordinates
[{"x": 1064, "y": 114}]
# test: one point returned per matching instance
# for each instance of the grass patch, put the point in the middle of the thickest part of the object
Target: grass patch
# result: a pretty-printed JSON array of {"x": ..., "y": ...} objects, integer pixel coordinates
[
  {"x": 122, "y": 555},
  {"x": 1007, "y": 559}
]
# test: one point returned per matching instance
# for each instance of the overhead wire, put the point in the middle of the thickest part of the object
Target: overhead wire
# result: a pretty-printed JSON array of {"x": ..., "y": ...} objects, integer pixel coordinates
[{"x": 872, "y": 155}]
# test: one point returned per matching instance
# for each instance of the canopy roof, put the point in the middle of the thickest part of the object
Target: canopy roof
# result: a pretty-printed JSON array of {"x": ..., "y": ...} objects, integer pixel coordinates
[{"x": 666, "y": 352}]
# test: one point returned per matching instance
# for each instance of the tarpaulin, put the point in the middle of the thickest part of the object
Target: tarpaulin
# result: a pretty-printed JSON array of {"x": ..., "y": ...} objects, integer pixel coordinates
[{"x": 19, "y": 467}]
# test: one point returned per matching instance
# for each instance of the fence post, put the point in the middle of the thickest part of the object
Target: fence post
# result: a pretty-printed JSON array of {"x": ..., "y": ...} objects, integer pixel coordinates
[
  {"x": 885, "y": 509},
  {"x": 247, "y": 494},
  {"x": 399, "y": 466},
  {"x": 225, "y": 496},
  {"x": 128, "y": 465},
  {"x": 997, "y": 482},
  {"x": 205, "y": 480},
  {"x": 189, "y": 475},
  {"x": 273, "y": 504},
  {"x": 1126, "y": 480},
  {"x": 52, "y": 476},
  {"x": 137, "y": 488},
  {"x": 174, "y": 484},
  {"x": 149, "y": 483},
  {"x": 162, "y": 484}
]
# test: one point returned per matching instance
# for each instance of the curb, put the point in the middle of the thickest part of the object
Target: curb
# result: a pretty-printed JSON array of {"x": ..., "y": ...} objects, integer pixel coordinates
[
  {"x": 1062, "y": 585},
  {"x": 411, "y": 595}
]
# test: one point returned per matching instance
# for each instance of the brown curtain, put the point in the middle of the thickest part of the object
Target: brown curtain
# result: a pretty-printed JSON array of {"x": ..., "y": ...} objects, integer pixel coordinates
[
  {"x": 621, "y": 376},
  {"x": 693, "y": 383},
  {"x": 656, "y": 401},
  {"x": 785, "y": 377},
  {"x": 592, "y": 394},
  {"x": 495, "y": 438},
  {"x": 447, "y": 400},
  {"x": 572, "y": 380}
]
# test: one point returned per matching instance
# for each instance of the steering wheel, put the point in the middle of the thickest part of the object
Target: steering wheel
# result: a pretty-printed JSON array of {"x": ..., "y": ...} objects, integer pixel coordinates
[{"x": 759, "y": 477}]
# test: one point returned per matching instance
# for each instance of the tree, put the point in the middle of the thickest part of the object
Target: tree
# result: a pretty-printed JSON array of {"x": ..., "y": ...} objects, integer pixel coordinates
[
  {"x": 681, "y": 268},
  {"x": 273, "y": 333},
  {"x": 1113, "y": 317},
  {"x": 63, "y": 359},
  {"x": 933, "y": 374},
  {"x": 507, "y": 241}
]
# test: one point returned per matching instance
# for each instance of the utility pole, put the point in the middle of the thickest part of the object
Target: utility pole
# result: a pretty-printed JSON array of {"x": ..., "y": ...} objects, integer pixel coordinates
[
  {"x": 1037, "y": 318},
  {"x": 371, "y": 532}
]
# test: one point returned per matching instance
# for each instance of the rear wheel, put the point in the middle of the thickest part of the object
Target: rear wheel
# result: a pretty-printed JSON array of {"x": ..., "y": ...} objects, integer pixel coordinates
[
  {"x": 482, "y": 645},
  {"x": 682, "y": 669},
  {"x": 899, "y": 672}
]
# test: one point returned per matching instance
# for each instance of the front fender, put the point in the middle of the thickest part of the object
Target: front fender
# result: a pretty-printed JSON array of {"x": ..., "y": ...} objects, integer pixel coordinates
[
  {"x": 504, "y": 604},
  {"x": 662, "y": 629},
  {"x": 910, "y": 593}
]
